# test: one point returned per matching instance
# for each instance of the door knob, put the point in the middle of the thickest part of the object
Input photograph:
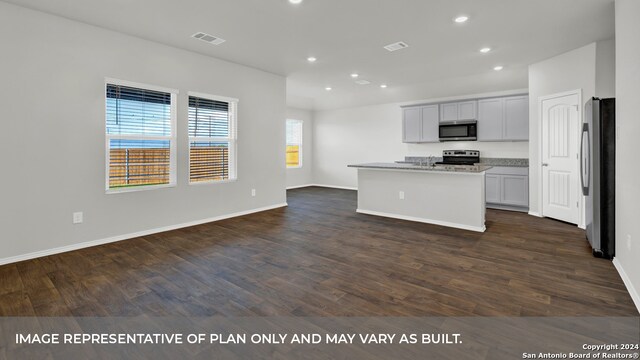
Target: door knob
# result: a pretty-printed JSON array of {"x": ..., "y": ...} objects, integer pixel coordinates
[{"x": 545, "y": 164}]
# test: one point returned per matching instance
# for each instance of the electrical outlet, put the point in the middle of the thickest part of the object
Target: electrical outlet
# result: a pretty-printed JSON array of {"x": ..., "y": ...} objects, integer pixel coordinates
[
  {"x": 77, "y": 217},
  {"x": 253, "y": 192},
  {"x": 401, "y": 195},
  {"x": 628, "y": 242}
]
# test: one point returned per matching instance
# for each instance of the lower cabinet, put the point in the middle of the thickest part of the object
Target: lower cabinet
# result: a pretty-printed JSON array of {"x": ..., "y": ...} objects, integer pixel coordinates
[{"x": 507, "y": 188}]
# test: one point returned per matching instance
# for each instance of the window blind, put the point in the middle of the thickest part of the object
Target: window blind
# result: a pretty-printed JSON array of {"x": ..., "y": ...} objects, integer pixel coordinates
[
  {"x": 139, "y": 137},
  {"x": 211, "y": 140}
]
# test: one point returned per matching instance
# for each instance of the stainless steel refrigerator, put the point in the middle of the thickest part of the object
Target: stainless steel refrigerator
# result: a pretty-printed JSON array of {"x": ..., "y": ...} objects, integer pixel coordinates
[{"x": 597, "y": 172}]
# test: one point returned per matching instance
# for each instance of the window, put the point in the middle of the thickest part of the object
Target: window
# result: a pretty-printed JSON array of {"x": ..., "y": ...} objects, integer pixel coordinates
[
  {"x": 294, "y": 143},
  {"x": 212, "y": 138},
  {"x": 140, "y": 132}
]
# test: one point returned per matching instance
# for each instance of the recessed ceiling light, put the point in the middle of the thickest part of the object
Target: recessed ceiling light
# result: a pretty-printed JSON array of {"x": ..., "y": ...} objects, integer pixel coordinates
[
  {"x": 384, "y": 86},
  {"x": 311, "y": 59},
  {"x": 328, "y": 88},
  {"x": 354, "y": 75},
  {"x": 498, "y": 68},
  {"x": 485, "y": 50},
  {"x": 460, "y": 19},
  {"x": 295, "y": 1}
]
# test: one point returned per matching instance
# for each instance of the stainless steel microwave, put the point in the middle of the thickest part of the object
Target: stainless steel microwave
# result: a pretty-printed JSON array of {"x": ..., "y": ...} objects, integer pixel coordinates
[{"x": 463, "y": 130}]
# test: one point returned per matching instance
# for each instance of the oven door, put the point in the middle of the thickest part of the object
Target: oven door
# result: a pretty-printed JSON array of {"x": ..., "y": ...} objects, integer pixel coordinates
[{"x": 457, "y": 131}]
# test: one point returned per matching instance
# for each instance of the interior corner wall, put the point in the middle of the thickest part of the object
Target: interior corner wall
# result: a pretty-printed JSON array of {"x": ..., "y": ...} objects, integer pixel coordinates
[
  {"x": 606, "y": 68},
  {"x": 572, "y": 70},
  {"x": 628, "y": 123},
  {"x": 302, "y": 176},
  {"x": 53, "y": 134}
]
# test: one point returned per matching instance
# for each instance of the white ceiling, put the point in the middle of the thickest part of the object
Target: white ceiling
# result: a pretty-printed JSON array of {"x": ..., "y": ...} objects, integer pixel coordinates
[{"x": 348, "y": 35}]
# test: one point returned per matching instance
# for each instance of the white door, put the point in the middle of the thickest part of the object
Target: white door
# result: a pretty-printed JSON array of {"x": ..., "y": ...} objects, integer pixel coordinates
[{"x": 560, "y": 178}]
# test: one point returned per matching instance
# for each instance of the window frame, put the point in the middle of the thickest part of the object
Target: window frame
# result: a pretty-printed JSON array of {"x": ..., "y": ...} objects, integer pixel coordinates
[
  {"x": 172, "y": 138},
  {"x": 232, "y": 139},
  {"x": 300, "y": 145}
]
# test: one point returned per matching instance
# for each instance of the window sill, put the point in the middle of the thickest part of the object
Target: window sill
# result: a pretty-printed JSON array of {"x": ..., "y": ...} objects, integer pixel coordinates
[
  {"x": 213, "y": 182},
  {"x": 138, "y": 188}
]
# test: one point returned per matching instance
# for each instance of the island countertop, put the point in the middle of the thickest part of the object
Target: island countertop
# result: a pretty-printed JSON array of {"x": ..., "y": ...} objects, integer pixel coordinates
[{"x": 415, "y": 167}]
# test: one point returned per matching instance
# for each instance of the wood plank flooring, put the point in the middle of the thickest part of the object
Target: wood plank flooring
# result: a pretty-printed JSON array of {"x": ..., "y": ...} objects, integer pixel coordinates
[{"x": 317, "y": 257}]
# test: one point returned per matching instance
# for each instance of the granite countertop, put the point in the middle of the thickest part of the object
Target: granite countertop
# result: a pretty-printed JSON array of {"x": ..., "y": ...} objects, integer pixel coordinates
[
  {"x": 415, "y": 167},
  {"x": 512, "y": 162}
]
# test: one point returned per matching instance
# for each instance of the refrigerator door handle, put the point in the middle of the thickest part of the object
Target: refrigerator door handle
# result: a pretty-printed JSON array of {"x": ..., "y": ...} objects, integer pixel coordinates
[{"x": 585, "y": 161}]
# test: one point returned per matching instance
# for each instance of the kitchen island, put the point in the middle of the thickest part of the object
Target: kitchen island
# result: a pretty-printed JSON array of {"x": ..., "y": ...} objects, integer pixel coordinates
[{"x": 446, "y": 195}]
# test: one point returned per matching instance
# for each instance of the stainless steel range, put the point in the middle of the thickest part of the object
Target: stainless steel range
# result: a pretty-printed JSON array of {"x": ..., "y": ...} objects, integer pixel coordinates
[{"x": 459, "y": 157}]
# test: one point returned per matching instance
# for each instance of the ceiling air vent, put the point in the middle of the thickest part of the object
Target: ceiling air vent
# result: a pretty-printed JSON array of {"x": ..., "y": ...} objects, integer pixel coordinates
[
  {"x": 208, "y": 38},
  {"x": 396, "y": 46},
  {"x": 363, "y": 82}
]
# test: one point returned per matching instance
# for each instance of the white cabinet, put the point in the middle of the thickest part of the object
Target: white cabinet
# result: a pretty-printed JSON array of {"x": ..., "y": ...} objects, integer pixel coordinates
[
  {"x": 499, "y": 119},
  {"x": 464, "y": 110},
  {"x": 492, "y": 183},
  {"x": 490, "y": 119},
  {"x": 449, "y": 112},
  {"x": 420, "y": 124},
  {"x": 411, "y": 127},
  {"x": 507, "y": 188},
  {"x": 467, "y": 110},
  {"x": 515, "y": 190},
  {"x": 430, "y": 124},
  {"x": 503, "y": 119},
  {"x": 516, "y": 118}
]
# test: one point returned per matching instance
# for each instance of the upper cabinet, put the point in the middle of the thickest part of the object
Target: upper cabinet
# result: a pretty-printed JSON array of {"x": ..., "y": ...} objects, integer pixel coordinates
[
  {"x": 499, "y": 119},
  {"x": 411, "y": 127},
  {"x": 420, "y": 124},
  {"x": 491, "y": 119},
  {"x": 464, "y": 110},
  {"x": 503, "y": 119},
  {"x": 516, "y": 118}
]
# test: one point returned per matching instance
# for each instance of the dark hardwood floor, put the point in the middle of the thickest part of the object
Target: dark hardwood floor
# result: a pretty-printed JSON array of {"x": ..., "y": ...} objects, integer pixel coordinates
[{"x": 319, "y": 258}]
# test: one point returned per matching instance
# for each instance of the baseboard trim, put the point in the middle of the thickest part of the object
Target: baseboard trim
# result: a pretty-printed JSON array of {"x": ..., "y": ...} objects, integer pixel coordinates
[
  {"x": 627, "y": 282},
  {"x": 536, "y": 214},
  {"x": 299, "y": 186},
  {"x": 82, "y": 245},
  {"x": 507, "y": 208},
  {"x": 423, "y": 220},
  {"x": 336, "y": 187}
]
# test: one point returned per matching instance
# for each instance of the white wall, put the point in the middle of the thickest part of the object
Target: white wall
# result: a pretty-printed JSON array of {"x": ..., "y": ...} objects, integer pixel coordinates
[
  {"x": 590, "y": 69},
  {"x": 628, "y": 120},
  {"x": 374, "y": 134},
  {"x": 53, "y": 143},
  {"x": 606, "y": 68},
  {"x": 573, "y": 70},
  {"x": 303, "y": 175}
]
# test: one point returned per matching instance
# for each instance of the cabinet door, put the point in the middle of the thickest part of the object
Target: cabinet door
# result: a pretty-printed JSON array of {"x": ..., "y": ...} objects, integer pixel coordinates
[
  {"x": 490, "y": 119},
  {"x": 411, "y": 119},
  {"x": 449, "y": 112},
  {"x": 516, "y": 118},
  {"x": 430, "y": 122},
  {"x": 515, "y": 190},
  {"x": 492, "y": 186},
  {"x": 467, "y": 110}
]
